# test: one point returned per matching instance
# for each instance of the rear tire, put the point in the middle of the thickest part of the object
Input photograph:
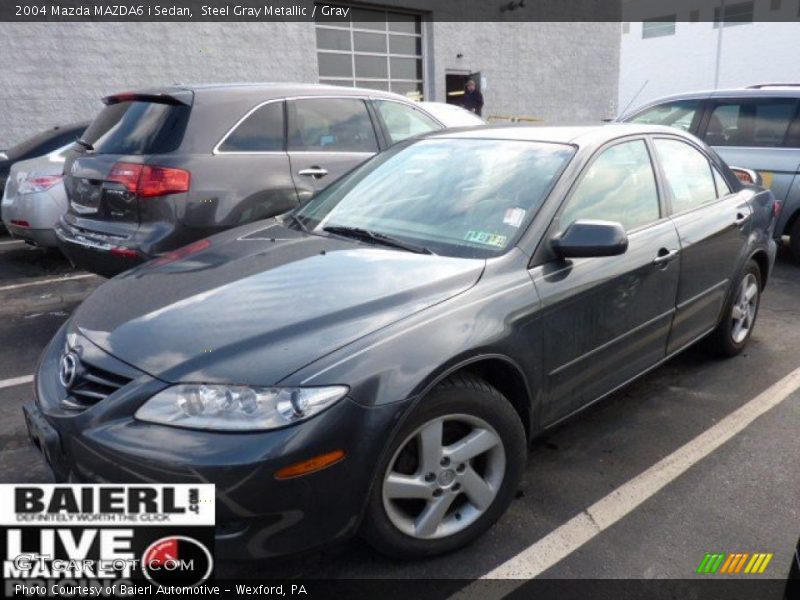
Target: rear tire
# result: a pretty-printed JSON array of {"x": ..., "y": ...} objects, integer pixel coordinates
[
  {"x": 449, "y": 473},
  {"x": 739, "y": 314},
  {"x": 794, "y": 238}
]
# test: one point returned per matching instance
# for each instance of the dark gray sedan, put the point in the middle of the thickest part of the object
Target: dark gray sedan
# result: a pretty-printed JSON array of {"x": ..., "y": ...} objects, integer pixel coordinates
[{"x": 379, "y": 360}]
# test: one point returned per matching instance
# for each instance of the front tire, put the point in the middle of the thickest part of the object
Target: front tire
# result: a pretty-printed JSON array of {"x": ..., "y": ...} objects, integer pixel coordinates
[
  {"x": 449, "y": 474},
  {"x": 739, "y": 315}
]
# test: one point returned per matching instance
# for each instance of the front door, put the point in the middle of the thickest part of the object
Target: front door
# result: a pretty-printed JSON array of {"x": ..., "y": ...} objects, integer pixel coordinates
[
  {"x": 713, "y": 224},
  {"x": 605, "y": 320},
  {"x": 327, "y": 137}
]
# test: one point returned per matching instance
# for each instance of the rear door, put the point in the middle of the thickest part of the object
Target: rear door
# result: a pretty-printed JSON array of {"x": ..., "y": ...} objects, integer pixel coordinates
[
  {"x": 327, "y": 137},
  {"x": 713, "y": 224},
  {"x": 762, "y": 134},
  {"x": 128, "y": 130},
  {"x": 607, "y": 319}
]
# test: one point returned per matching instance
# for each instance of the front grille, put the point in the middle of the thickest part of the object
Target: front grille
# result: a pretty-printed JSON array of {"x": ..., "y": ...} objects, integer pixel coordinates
[{"x": 92, "y": 384}]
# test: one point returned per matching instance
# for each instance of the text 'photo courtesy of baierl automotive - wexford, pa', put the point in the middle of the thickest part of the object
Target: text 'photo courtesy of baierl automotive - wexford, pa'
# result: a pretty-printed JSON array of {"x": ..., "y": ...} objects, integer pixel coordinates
[{"x": 430, "y": 299}]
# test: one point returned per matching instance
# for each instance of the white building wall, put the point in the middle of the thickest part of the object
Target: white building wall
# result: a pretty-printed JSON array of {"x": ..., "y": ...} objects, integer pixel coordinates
[{"x": 751, "y": 53}]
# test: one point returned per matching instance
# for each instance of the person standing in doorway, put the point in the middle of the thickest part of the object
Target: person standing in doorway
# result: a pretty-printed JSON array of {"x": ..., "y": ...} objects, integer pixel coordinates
[{"x": 473, "y": 99}]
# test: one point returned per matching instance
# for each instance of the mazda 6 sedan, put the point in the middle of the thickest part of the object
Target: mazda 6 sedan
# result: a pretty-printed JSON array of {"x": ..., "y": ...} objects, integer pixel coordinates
[{"x": 377, "y": 361}]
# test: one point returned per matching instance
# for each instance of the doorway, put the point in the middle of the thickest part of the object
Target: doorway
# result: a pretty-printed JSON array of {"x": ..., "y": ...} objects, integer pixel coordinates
[{"x": 455, "y": 83}]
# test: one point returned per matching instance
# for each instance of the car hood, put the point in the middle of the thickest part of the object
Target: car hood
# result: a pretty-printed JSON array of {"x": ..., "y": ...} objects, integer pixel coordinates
[{"x": 253, "y": 305}]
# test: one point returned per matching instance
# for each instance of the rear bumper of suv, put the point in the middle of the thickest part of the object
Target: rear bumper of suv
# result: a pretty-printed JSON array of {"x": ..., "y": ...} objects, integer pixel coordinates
[{"x": 98, "y": 253}]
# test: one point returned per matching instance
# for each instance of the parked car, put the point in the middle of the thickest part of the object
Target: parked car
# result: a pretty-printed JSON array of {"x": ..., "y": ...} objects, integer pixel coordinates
[
  {"x": 34, "y": 199},
  {"x": 379, "y": 359},
  {"x": 756, "y": 127},
  {"x": 40, "y": 144},
  {"x": 452, "y": 115},
  {"x": 162, "y": 168}
]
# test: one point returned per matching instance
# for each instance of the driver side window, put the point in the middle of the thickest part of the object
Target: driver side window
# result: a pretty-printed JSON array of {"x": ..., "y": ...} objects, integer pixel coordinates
[{"x": 619, "y": 185}]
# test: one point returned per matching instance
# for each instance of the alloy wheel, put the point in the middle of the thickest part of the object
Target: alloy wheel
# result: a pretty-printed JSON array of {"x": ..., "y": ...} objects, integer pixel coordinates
[
  {"x": 743, "y": 313},
  {"x": 444, "y": 476}
]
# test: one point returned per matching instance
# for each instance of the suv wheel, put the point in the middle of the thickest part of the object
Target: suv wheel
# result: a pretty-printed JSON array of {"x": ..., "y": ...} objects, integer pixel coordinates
[
  {"x": 739, "y": 314},
  {"x": 450, "y": 472}
]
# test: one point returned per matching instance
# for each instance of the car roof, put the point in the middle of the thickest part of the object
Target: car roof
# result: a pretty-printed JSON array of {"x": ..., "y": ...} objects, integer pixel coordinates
[
  {"x": 272, "y": 90},
  {"x": 577, "y": 136},
  {"x": 775, "y": 90}
]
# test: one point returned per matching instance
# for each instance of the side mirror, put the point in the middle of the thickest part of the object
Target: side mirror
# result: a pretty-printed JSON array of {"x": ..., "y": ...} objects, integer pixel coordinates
[
  {"x": 747, "y": 176},
  {"x": 587, "y": 238}
]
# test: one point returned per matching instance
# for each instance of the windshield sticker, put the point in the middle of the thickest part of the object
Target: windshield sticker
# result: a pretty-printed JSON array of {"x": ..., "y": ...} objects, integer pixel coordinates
[
  {"x": 514, "y": 217},
  {"x": 487, "y": 239}
]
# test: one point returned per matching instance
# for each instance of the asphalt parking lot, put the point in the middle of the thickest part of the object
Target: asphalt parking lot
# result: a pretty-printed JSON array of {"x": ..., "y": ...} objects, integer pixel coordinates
[{"x": 741, "y": 496}]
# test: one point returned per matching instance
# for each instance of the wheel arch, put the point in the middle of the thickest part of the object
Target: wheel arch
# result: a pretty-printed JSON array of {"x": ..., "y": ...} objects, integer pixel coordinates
[
  {"x": 761, "y": 258},
  {"x": 502, "y": 373}
]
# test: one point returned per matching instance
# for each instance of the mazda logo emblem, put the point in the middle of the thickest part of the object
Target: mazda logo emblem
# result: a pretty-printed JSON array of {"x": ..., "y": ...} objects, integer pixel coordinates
[{"x": 68, "y": 369}]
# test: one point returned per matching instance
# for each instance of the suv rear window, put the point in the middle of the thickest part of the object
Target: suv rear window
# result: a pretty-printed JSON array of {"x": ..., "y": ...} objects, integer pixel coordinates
[
  {"x": 756, "y": 123},
  {"x": 137, "y": 127},
  {"x": 679, "y": 114}
]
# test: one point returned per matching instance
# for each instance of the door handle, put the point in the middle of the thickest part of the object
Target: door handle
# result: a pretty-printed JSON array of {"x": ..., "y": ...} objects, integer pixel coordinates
[
  {"x": 665, "y": 256},
  {"x": 315, "y": 172},
  {"x": 741, "y": 219}
]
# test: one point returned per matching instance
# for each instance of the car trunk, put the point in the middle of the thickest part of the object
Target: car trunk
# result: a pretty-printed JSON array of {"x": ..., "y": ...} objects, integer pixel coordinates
[{"x": 101, "y": 176}]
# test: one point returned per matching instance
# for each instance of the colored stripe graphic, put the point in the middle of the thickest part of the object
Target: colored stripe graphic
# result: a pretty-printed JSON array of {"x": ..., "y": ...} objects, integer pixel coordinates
[{"x": 721, "y": 562}]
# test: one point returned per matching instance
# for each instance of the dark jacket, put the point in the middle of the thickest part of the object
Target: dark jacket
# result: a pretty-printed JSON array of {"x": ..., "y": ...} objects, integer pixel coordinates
[{"x": 473, "y": 101}]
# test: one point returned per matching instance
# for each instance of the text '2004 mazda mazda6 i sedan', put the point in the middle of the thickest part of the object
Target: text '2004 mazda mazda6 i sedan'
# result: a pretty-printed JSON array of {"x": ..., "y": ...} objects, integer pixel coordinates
[{"x": 378, "y": 360}]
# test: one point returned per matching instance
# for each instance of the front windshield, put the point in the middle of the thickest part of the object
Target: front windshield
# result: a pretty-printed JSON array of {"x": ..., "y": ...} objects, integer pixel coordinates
[{"x": 457, "y": 197}]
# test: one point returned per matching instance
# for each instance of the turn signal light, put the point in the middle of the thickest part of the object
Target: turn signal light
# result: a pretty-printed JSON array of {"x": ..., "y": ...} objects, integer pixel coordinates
[
  {"x": 311, "y": 465},
  {"x": 148, "y": 181}
]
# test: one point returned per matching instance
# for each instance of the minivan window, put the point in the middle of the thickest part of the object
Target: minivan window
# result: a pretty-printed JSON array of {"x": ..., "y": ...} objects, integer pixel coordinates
[
  {"x": 403, "y": 121},
  {"x": 679, "y": 114},
  {"x": 330, "y": 125},
  {"x": 467, "y": 197},
  {"x": 688, "y": 174},
  {"x": 754, "y": 123},
  {"x": 137, "y": 127},
  {"x": 618, "y": 186},
  {"x": 261, "y": 131}
]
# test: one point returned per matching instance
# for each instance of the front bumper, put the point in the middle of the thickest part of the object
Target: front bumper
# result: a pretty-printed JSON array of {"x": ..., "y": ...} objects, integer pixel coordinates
[{"x": 258, "y": 516}]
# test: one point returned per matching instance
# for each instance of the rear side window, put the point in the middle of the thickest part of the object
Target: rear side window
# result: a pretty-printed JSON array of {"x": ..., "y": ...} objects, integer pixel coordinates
[
  {"x": 679, "y": 114},
  {"x": 688, "y": 174},
  {"x": 138, "y": 128},
  {"x": 403, "y": 121},
  {"x": 331, "y": 125},
  {"x": 723, "y": 189},
  {"x": 756, "y": 123},
  {"x": 261, "y": 131}
]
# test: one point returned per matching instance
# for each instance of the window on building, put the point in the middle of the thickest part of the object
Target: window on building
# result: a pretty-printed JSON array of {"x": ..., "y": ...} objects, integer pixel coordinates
[
  {"x": 754, "y": 123},
  {"x": 262, "y": 131},
  {"x": 735, "y": 14},
  {"x": 688, "y": 174},
  {"x": 376, "y": 49},
  {"x": 658, "y": 26},
  {"x": 618, "y": 186},
  {"x": 694, "y": 16}
]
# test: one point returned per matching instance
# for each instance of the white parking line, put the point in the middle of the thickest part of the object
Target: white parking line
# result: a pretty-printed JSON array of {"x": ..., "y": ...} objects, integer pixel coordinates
[
  {"x": 12, "y": 242},
  {"x": 17, "y": 286},
  {"x": 4, "y": 383},
  {"x": 601, "y": 515}
]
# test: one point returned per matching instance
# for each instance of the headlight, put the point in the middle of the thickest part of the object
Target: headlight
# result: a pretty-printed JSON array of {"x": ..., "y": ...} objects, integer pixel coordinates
[{"x": 237, "y": 408}]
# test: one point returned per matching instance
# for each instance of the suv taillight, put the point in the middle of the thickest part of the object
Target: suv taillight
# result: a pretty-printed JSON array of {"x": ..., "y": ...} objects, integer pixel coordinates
[{"x": 148, "y": 181}]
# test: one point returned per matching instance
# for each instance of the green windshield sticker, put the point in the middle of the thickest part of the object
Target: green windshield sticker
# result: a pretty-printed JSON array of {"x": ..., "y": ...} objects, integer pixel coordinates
[{"x": 487, "y": 239}]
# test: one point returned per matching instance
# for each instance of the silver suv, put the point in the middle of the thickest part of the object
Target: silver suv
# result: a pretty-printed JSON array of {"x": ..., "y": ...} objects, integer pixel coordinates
[{"x": 756, "y": 127}]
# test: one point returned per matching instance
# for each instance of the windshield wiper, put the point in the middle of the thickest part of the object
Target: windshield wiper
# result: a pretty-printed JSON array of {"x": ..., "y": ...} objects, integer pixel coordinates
[
  {"x": 85, "y": 144},
  {"x": 296, "y": 220},
  {"x": 380, "y": 238}
]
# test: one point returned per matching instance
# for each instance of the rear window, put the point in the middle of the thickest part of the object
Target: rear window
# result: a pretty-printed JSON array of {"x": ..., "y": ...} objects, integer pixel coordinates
[
  {"x": 43, "y": 143},
  {"x": 756, "y": 123},
  {"x": 678, "y": 114},
  {"x": 138, "y": 128}
]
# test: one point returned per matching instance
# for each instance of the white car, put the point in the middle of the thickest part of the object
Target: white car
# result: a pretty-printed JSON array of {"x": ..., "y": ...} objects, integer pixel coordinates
[
  {"x": 452, "y": 115},
  {"x": 34, "y": 198}
]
